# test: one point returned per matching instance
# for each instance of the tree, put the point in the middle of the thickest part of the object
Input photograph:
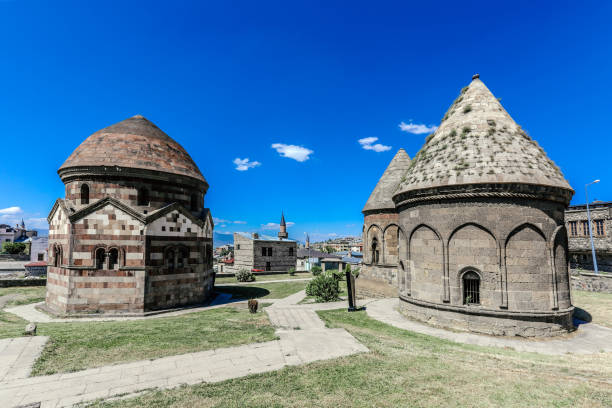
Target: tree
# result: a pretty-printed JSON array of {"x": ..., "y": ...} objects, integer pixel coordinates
[
  {"x": 14, "y": 247},
  {"x": 329, "y": 249}
]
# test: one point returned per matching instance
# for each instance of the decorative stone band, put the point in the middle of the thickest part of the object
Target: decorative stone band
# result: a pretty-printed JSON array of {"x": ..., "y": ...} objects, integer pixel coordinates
[
  {"x": 472, "y": 191},
  {"x": 380, "y": 211},
  {"x": 476, "y": 310},
  {"x": 80, "y": 172}
]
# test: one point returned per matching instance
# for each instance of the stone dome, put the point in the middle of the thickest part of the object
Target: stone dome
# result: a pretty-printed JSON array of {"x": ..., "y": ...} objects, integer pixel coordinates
[
  {"x": 479, "y": 143},
  {"x": 134, "y": 143},
  {"x": 380, "y": 199}
]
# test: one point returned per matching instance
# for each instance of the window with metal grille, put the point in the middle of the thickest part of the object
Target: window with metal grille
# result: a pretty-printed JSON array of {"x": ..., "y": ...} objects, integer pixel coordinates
[
  {"x": 375, "y": 252},
  {"x": 573, "y": 228},
  {"x": 290, "y": 251},
  {"x": 471, "y": 288},
  {"x": 113, "y": 258},
  {"x": 585, "y": 228},
  {"x": 599, "y": 227}
]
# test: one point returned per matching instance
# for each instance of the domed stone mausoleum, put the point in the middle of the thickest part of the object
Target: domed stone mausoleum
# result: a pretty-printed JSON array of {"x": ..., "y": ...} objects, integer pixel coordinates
[
  {"x": 481, "y": 242},
  {"x": 132, "y": 234}
]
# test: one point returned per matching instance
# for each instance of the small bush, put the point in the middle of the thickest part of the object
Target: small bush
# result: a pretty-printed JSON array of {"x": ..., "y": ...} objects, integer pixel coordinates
[
  {"x": 253, "y": 305},
  {"x": 324, "y": 288},
  {"x": 316, "y": 270},
  {"x": 356, "y": 273},
  {"x": 291, "y": 271},
  {"x": 244, "y": 275},
  {"x": 336, "y": 274},
  {"x": 14, "y": 247}
]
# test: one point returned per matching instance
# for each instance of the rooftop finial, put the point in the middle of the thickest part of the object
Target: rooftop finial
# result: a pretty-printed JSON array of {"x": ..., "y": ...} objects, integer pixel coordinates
[{"x": 475, "y": 76}]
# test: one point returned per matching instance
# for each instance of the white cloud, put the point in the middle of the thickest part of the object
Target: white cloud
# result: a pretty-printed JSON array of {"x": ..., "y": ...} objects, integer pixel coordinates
[
  {"x": 294, "y": 152},
  {"x": 41, "y": 223},
  {"x": 222, "y": 221},
  {"x": 366, "y": 143},
  {"x": 245, "y": 164},
  {"x": 10, "y": 210},
  {"x": 275, "y": 225},
  {"x": 416, "y": 128},
  {"x": 224, "y": 232}
]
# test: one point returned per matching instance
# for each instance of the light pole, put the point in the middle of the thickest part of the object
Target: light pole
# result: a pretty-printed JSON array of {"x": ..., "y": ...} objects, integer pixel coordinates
[{"x": 586, "y": 193}]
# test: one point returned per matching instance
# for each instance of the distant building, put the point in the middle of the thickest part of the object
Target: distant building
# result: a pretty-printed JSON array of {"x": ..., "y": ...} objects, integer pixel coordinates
[
  {"x": 38, "y": 249},
  {"x": 260, "y": 253},
  {"x": 576, "y": 222},
  {"x": 308, "y": 257},
  {"x": 18, "y": 233}
]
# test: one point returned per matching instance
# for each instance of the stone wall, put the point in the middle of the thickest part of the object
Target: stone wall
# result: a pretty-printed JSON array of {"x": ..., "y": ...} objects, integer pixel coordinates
[
  {"x": 580, "y": 255},
  {"x": 380, "y": 279},
  {"x": 284, "y": 255},
  {"x": 511, "y": 245},
  {"x": 497, "y": 323},
  {"x": 591, "y": 282},
  {"x": 169, "y": 189}
]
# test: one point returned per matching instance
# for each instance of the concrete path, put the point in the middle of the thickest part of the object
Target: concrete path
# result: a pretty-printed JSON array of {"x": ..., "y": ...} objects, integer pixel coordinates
[
  {"x": 312, "y": 342},
  {"x": 589, "y": 338},
  {"x": 17, "y": 356}
]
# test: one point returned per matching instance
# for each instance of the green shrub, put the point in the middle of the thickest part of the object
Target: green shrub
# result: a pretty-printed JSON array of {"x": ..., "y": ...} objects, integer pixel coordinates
[
  {"x": 14, "y": 247},
  {"x": 355, "y": 273},
  {"x": 336, "y": 274},
  {"x": 324, "y": 288},
  {"x": 244, "y": 275},
  {"x": 291, "y": 271},
  {"x": 316, "y": 270}
]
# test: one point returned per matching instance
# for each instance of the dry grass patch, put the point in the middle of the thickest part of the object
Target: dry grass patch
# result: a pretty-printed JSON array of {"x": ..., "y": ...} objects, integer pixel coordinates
[{"x": 21, "y": 295}]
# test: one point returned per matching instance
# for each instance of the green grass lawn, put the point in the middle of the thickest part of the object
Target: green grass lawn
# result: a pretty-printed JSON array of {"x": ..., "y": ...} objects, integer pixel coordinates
[
  {"x": 404, "y": 369},
  {"x": 264, "y": 278},
  {"x": 77, "y": 346},
  {"x": 276, "y": 290},
  {"x": 15, "y": 296},
  {"x": 598, "y": 305}
]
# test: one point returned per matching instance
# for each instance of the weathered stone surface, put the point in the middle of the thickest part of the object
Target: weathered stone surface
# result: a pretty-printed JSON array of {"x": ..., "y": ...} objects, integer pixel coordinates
[
  {"x": 591, "y": 282},
  {"x": 481, "y": 201}
]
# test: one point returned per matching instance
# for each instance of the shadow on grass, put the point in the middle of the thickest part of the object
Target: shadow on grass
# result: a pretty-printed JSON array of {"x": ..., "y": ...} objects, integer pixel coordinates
[{"x": 243, "y": 292}]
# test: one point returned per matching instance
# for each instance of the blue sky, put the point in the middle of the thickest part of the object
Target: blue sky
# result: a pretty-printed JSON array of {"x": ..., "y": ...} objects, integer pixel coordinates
[{"x": 230, "y": 80}]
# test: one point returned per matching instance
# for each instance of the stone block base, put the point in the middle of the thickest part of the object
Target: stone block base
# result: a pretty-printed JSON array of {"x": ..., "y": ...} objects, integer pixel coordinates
[{"x": 496, "y": 323}]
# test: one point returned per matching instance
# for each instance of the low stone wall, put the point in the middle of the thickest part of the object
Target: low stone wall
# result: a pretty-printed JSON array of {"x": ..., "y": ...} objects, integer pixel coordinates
[
  {"x": 9, "y": 283},
  {"x": 496, "y": 323},
  {"x": 14, "y": 257},
  {"x": 591, "y": 282},
  {"x": 377, "y": 282}
]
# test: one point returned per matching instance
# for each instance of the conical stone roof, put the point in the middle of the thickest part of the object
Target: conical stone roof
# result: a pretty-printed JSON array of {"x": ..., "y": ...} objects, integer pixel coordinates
[
  {"x": 478, "y": 143},
  {"x": 133, "y": 143},
  {"x": 380, "y": 199}
]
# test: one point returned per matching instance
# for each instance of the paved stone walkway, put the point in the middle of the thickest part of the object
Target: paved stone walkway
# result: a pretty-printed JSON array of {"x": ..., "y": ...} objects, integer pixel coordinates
[
  {"x": 313, "y": 342},
  {"x": 17, "y": 356},
  {"x": 589, "y": 338}
]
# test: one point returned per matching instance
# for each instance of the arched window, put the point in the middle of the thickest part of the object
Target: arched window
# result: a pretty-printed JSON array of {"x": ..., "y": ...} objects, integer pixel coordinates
[
  {"x": 375, "y": 251},
  {"x": 194, "y": 202},
  {"x": 471, "y": 288},
  {"x": 183, "y": 257},
  {"x": 84, "y": 194},
  {"x": 170, "y": 259},
  {"x": 113, "y": 258},
  {"x": 57, "y": 256},
  {"x": 143, "y": 196},
  {"x": 100, "y": 258}
]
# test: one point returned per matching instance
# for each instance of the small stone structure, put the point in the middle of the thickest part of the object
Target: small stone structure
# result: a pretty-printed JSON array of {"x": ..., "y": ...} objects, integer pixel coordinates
[
  {"x": 471, "y": 231},
  {"x": 132, "y": 234}
]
